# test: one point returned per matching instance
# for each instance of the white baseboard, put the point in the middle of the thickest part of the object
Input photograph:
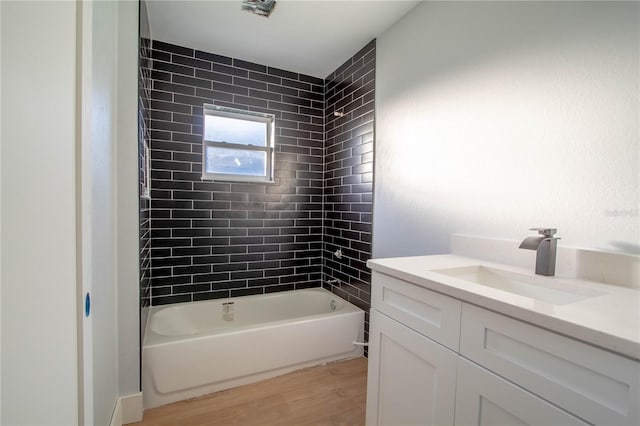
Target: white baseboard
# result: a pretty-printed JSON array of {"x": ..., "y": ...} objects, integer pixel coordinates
[
  {"x": 128, "y": 410},
  {"x": 116, "y": 417}
]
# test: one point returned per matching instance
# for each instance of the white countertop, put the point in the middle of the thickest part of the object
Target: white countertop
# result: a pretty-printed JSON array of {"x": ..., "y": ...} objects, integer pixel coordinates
[{"x": 608, "y": 318}]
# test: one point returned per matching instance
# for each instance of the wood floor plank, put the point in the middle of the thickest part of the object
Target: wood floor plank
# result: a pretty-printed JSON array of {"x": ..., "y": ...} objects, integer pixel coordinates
[{"x": 332, "y": 395}]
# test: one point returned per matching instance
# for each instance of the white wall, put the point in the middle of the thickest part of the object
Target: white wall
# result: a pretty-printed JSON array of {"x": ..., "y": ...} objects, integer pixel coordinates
[
  {"x": 0, "y": 218},
  {"x": 127, "y": 187},
  {"x": 113, "y": 204},
  {"x": 493, "y": 117},
  {"x": 50, "y": 72},
  {"x": 39, "y": 341},
  {"x": 102, "y": 206}
]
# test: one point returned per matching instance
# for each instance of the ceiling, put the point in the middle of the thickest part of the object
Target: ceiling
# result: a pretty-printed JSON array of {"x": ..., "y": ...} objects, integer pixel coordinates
[{"x": 312, "y": 37}]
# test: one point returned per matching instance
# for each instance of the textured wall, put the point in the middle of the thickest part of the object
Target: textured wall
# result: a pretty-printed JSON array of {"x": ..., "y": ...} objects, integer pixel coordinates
[
  {"x": 527, "y": 117},
  {"x": 348, "y": 177},
  {"x": 221, "y": 239}
]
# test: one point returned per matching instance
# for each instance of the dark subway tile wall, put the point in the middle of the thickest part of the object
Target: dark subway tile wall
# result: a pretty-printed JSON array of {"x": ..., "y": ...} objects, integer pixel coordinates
[
  {"x": 144, "y": 93},
  {"x": 225, "y": 239},
  {"x": 348, "y": 178}
]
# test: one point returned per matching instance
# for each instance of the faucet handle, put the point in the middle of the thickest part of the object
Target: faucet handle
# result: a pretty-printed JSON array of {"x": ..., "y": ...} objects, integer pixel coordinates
[{"x": 547, "y": 232}]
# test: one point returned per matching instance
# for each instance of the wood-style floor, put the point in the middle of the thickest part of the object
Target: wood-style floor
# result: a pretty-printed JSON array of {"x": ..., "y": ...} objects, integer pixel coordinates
[{"x": 332, "y": 394}]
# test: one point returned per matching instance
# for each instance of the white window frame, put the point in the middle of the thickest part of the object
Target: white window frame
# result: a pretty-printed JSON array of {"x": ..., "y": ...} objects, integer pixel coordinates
[
  {"x": 146, "y": 181},
  {"x": 268, "y": 119}
]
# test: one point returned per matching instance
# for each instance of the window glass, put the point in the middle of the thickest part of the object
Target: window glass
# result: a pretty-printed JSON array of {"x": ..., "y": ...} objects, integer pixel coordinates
[
  {"x": 235, "y": 161},
  {"x": 233, "y": 130}
]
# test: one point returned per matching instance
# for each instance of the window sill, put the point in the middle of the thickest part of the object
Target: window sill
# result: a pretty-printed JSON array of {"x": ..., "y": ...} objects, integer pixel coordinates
[{"x": 245, "y": 181}]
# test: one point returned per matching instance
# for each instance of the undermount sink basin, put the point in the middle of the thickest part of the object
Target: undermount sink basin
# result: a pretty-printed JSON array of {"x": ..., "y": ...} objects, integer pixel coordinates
[{"x": 548, "y": 289}]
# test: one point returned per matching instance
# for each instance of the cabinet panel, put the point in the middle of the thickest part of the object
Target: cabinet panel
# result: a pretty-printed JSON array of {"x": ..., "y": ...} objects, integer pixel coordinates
[
  {"x": 596, "y": 385},
  {"x": 411, "y": 379},
  {"x": 486, "y": 399},
  {"x": 433, "y": 314}
]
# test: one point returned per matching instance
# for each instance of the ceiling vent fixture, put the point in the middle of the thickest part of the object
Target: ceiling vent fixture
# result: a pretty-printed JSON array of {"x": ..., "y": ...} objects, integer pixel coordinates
[{"x": 259, "y": 7}]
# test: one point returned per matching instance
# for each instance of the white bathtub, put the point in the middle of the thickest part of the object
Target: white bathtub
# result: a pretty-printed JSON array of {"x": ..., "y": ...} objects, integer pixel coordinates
[{"x": 202, "y": 347}]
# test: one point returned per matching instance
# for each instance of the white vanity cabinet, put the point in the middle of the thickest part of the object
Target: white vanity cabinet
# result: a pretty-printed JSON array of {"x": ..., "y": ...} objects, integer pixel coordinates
[
  {"x": 414, "y": 379},
  {"x": 434, "y": 359},
  {"x": 411, "y": 378},
  {"x": 485, "y": 399}
]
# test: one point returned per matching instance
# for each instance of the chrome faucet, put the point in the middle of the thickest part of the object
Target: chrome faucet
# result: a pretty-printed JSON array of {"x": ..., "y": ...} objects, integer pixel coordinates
[{"x": 545, "y": 247}]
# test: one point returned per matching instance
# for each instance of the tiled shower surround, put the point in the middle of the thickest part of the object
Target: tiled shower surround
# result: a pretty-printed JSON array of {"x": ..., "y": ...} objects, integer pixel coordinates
[
  {"x": 144, "y": 91},
  {"x": 348, "y": 184},
  {"x": 225, "y": 239}
]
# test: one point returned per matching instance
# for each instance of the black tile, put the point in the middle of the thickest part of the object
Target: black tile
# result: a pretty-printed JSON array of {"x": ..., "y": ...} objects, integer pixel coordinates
[
  {"x": 191, "y": 81},
  {"x": 274, "y": 288},
  {"x": 195, "y": 63},
  {"x": 249, "y": 228},
  {"x": 214, "y": 95},
  {"x": 210, "y": 295},
  {"x": 246, "y": 291},
  {"x": 282, "y": 73},
  {"x": 174, "y": 279},
  {"x": 245, "y": 100},
  {"x": 191, "y": 100},
  {"x": 161, "y": 55},
  {"x": 175, "y": 88},
  {"x": 249, "y": 66},
  {"x": 211, "y": 241},
  {"x": 213, "y": 205},
  {"x": 198, "y": 232},
  {"x": 160, "y": 75},
  {"x": 261, "y": 94},
  {"x": 171, "y": 242},
  {"x": 319, "y": 97},
  {"x": 265, "y": 78},
  {"x": 262, "y": 282},
  {"x": 213, "y": 57},
  {"x": 167, "y": 47},
  {"x": 165, "y": 300},
  {"x": 170, "y": 106},
  {"x": 191, "y": 195},
  {"x": 190, "y": 288},
  {"x": 246, "y": 275},
  {"x": 246, "y": 257},
  {"x": 214, "y": 76},
  {"x": 169, "y": 165},
  {"x": 229, "y": 267},
  {"x": 224, "y": 69},
  {"x": 283, "y": 90},
  {"x": 172, "y": 68},
  {"x": 244, "y": 82},
  {"x": 279, "y": 106},
  {"x": 310, "y": 79},
  {"x": 229, "y": 88},
  {"x": 170, "y": 223}
]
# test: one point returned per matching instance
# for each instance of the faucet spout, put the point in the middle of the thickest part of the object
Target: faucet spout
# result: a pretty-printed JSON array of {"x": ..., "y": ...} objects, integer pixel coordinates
[
  {"x": 545, "y": 247},
  {"x": 531, "y": 243}
]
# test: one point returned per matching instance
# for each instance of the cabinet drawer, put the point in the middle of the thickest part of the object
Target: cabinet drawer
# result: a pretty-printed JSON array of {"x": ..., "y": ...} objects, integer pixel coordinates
[
  {"x": 432, "y": 314},
  {"x": 595, "y": 385},
  {"x": 486, "y": 399},
  {"x": 411, "y": 379}
]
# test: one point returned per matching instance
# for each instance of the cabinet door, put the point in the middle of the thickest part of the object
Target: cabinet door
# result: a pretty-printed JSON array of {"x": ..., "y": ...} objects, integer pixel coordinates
[
  {"x": 486, "y": 399},
  {"x": 596, "y": 385},
  {"x": 411, "y": 379}
]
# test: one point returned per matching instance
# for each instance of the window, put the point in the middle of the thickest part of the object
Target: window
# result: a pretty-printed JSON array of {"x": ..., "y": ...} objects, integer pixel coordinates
[
  {"x": 237, "y": 145},
  {"x": 146, "y": 176}
]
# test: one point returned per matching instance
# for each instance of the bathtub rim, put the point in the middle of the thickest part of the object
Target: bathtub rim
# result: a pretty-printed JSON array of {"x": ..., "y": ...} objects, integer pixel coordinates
[{"x": 152, "y": 339}]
